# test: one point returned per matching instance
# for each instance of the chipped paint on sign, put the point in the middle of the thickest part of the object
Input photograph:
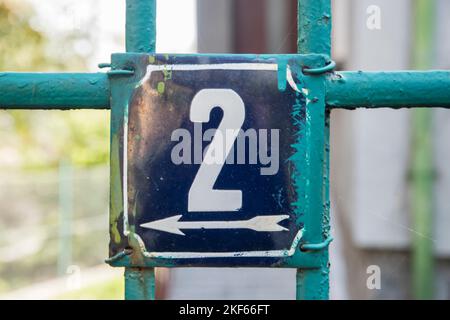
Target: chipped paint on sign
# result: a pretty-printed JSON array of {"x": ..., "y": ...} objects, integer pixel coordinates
[{"x": 143, "y": 225}]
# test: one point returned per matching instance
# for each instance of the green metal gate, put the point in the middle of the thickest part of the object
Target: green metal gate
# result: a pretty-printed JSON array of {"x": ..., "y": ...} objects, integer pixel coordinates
[{"x": 340, "y": 90}]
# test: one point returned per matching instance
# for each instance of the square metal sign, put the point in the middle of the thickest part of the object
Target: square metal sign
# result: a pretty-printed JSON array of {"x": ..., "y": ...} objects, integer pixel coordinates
[{"x": 211, "y": 160}]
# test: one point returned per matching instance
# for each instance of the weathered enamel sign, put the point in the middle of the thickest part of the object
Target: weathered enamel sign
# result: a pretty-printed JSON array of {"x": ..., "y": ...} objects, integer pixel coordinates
[{"x": 210, "y": 161}]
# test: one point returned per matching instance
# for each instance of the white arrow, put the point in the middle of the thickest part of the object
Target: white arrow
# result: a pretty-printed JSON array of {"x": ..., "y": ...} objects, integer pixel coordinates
[{"x": 258, "y": 223}]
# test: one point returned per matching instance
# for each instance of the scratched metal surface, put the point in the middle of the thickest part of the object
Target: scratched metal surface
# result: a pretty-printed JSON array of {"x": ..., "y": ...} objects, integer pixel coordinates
[{"x": 158, "y": 189}]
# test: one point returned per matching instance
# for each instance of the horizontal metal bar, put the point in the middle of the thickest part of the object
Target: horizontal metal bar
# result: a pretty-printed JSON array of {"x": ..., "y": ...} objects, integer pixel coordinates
[
  {"x": 140, "y": 31},
  {"x": 54, "y": 91},
  {"x": 401, "y": 89}
]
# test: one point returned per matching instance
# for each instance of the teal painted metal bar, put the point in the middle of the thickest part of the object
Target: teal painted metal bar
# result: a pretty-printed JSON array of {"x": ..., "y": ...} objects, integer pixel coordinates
[
  {"x": 139, "y": 284},
  {"x": 314, "y": 26},
  {"x": 54, "y": 90},
  {"x": 345, "y": 90},
  {"x": 401, "y": 89},
  {"x": 140, "y": 37},
  {"x": 140, "y": 30},
  {"x": 314, "y": 36},
  {"x": 316, "y": 71}
]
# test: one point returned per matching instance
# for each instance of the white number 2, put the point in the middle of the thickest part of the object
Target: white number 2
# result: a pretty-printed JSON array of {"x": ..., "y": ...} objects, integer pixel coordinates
[{"x": 202, "y": 195}]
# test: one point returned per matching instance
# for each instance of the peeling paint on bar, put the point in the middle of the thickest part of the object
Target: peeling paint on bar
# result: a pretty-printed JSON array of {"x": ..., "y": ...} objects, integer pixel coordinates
[
  {"x": 54, "y": 90},
  {"x": 314, "y": 36},
  {"x": 395, "y": 89}
]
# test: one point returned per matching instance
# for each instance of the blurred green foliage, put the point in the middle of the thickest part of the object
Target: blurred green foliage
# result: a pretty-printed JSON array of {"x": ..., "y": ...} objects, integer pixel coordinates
[
  {"x": 108, "y": 290},
  {"x": 21, "y": 47},
  {"x": 40, "y": 139}
]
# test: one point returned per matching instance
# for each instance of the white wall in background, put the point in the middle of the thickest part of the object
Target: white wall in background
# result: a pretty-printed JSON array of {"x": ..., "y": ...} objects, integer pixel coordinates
[
  {"x": 215, "y": 30},
  {"x": 380, "y": 138},
  {"x": 441, "y": 125},
  {"x": 176, "y": 26}
]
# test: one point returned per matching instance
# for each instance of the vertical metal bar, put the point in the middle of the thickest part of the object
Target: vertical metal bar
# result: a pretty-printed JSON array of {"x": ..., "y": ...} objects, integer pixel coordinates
[
  {"x": 314, "y": 36},
  {"x": 139, "y": 284},
  {"x": 140, "y": 37},
  {"x": 23, "y": 90},
  {"x": 422, "y": 170},
  {"x": 140, "y": 30},
  {"x": 314, "y": 26}
]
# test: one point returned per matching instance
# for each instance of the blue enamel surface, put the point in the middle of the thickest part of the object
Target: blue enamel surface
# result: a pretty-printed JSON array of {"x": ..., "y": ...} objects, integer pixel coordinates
[{"x": 160, "y": 188}]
